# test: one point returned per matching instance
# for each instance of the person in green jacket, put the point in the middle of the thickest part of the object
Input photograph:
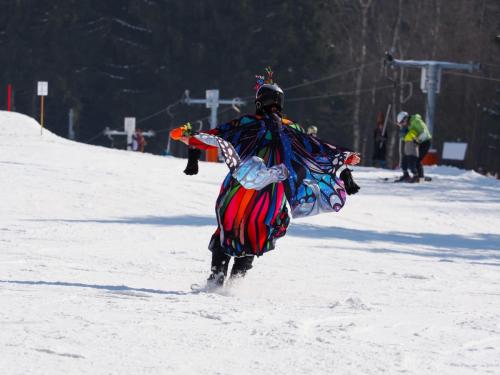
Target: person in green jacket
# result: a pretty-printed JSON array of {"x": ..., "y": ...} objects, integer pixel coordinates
[{"x": 417, "y": 142}]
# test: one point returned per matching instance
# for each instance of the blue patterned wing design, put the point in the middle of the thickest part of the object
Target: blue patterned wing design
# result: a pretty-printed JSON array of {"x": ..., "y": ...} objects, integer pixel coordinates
[{"x": 317, "y": 194}]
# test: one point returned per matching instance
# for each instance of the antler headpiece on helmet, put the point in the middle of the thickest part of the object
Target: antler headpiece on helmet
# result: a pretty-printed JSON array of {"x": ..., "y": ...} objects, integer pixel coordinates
[{"x": 268, "y": 94}]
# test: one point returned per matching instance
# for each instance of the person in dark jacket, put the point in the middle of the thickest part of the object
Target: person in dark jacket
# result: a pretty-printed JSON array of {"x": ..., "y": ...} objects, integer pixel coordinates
[{"x": 379, "y": 143}]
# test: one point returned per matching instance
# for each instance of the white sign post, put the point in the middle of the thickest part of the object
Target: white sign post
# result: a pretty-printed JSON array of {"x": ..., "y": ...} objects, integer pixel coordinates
[
  {"x": 129, "y": 125},
  {"x": 43, "y": 88},
  {"x": 42, "y": 91},
  {"x": 212, "y": 98}
]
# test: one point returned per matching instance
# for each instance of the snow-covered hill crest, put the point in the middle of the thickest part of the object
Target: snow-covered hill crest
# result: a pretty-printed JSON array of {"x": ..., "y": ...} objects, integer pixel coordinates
[{"x": 99, "y": 247}]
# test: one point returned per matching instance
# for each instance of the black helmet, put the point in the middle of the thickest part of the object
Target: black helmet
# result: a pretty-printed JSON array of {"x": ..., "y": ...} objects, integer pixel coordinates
[{"x": 267, "y": 96}]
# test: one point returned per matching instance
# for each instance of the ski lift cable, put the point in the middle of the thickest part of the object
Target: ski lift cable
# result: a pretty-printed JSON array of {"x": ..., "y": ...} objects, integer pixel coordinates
[
  {"x": 94, "y": 137},
  {"x": 493, "y": 65},
  {"x": 345, "y": 93},
  {"x": 322, "y": 79},
  {"x": 165, "y": 109},
  {"x": 331, "y": 76},
  {"x": 309, "y": 97},
  {"x": 494, "y": 79},
  {"x": 326, "y": 78},
  {"x": 193, "y": 121}
]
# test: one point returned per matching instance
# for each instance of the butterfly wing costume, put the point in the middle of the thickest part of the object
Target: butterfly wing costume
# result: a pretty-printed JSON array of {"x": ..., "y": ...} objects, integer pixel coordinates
[{"x": 272, "y": 161}]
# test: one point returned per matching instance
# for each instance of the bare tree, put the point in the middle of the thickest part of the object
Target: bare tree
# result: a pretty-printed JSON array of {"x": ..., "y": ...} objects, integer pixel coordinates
[{"x": 365, "y": 7}]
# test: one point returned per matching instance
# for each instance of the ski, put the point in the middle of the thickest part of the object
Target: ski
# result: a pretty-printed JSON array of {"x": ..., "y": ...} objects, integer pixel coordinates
[
  {"x": 207, "y": 288},
  {"x": 396, "y": 180}
]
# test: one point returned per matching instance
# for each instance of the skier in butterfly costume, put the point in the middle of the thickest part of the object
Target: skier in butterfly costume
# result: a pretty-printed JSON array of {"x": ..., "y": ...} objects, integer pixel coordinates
[{"x": 272, "y": 161}]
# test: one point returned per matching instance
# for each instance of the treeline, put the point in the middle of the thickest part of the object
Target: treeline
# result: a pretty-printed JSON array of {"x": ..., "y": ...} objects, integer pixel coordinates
[{"x": 109, "y": 59}]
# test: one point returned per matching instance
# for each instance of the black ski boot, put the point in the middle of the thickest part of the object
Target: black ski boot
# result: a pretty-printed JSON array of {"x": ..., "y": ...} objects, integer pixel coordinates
[
  {"x": 241, "y": 266},
  {"x": 215, "y": 280},
  {"x": 404, "y": 178},
  {"x": 414, "y": 180},
  {"x": 220, "y": 263}
]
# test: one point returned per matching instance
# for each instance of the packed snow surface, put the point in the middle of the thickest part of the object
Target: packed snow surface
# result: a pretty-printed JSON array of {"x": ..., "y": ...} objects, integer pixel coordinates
[{"x": 99, "y": 248}]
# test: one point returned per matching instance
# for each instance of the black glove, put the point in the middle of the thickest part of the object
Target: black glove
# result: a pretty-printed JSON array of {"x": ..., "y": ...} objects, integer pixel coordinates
[
  {"x": 193, "y": 157},
  {"x": 350, "y": 186}
]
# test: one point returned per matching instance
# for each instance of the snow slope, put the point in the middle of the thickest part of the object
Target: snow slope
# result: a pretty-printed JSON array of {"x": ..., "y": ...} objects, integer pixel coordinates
[{"x": 99, "y": 247}]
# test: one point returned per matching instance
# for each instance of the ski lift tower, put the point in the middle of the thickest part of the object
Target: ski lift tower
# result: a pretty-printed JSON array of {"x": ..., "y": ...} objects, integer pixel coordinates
[
  {"x": 212, "y": 101},
  {"x": 430, "y": 82}
]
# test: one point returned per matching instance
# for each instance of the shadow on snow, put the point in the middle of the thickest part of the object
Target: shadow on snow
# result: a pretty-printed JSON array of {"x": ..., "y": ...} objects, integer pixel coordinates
[
  {"x": 186, "y": 220},
  {"x": 111, "y": 288},
  {"x": 440, "y": 245}
]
